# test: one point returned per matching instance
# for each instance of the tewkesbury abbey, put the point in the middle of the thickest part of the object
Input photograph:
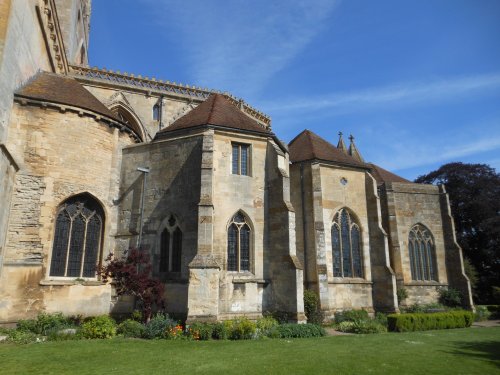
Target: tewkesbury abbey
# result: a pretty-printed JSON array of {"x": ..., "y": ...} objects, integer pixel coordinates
[{"x": 237, "y": 223}]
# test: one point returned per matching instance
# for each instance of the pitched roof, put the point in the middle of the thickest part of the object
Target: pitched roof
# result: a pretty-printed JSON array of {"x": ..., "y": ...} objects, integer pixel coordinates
[
  {"x": 310, "y": 146},
  {"x": 216, "y": 110},
  {"x": 58, "y": 89},
  {"x": 382, "y": 175}
]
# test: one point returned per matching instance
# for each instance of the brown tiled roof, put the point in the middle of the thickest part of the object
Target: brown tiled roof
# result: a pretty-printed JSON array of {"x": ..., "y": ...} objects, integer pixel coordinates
[
  {"x": 310, "y": 146},
  {"x": 382, "y": 175},
  {"x": 216, "y": 110},
  {"x": 54, "y": 88}
]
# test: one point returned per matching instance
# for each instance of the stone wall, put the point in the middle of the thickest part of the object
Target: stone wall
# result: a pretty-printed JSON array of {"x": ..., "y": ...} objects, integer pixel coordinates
[
  {"x": 240, "y": 292},
  {"x": 59, "y": 155},
  {"x": 73, "y": 19},
  {"x": 323, "y": 195},
  {"x": 409, "y": 204},
  {"x": 172, "y": 188},
  {"x": 22, "y": 53},
  {"x": 383, "y": 276}
]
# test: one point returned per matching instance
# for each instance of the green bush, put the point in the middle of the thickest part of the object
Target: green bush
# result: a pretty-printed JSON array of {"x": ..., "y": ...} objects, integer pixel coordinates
[
  {"x": 158, "y": 327},
  {"x": 45, "y": 324},
  {"x": 368, "y": 326},
  {"x": 242, "y": 329},
  {"x": 424, "y": 322},
  {"x": 23, "y": 337},
  {"x": 100, "y": 327},
  {"x": 381, "y": 318},
  {"x": 345, "y": 326},
  {"x": 201, "y": 331},
  {"x": 291, "y": 330},
  {"x": 425, "y": 308},
  {"x": 402, "y": 294},
  {"x": 136, "y": 315},
  {"x": 351, "y": 316},
  {"x": 482, "y": 314},
  {"x": 130, "y": 328},
  {"x": 265, "y": 325},
  {"x": 494, "y": 310},
  {"x": 312, "y": 308},
  {"x": 64, "y": 335},
  {"x": 450, "y": 297},
  {"x": 219, "y": 331}
]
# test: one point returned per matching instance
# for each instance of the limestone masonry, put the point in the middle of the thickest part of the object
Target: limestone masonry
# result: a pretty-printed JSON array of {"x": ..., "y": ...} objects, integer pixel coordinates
[{"x": 237, "y": 223}]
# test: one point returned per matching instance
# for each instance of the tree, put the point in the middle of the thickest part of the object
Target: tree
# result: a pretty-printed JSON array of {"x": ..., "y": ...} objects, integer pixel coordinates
[
  {"x": 131, "y": 275},
  {"x": 474, "y": 191}
]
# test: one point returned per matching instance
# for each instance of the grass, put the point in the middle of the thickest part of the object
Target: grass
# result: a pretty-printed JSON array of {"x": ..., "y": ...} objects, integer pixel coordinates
[{"x": 459, "y": 351}]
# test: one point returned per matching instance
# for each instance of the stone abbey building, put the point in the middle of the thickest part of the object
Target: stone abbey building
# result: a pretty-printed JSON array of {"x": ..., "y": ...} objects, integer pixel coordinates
[{"x": 236, "y": 222}]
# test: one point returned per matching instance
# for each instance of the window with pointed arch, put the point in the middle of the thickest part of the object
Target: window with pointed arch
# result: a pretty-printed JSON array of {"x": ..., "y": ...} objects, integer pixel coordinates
[
  {"x": 346, "y": 246},
  {"x": 238, "y": 244},
  {"x": 422, "y": 253},
  {"x": 156, "y": 112},
  {"x": 171, "y": 246},
  {"x": 77, "y": 238}
]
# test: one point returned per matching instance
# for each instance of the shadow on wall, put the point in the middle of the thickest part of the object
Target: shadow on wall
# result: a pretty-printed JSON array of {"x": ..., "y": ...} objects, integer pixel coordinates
[{"x": 173, "y": 187}]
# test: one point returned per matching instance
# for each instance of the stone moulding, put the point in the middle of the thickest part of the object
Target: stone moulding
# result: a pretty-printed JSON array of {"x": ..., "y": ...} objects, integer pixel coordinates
[{"x": 49, "y": 24}]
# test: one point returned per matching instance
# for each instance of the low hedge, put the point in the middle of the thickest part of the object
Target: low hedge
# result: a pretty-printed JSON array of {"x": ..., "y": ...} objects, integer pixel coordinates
[
  {"x": 291, "y": 330},
  {"x": 424, "y": 322}
]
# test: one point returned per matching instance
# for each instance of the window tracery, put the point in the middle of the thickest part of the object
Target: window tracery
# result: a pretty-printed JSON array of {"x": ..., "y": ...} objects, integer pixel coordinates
[
  {"x": 238, "y": 244},
  {"x": 422, "y": 253},
  {"x": 346, "y": 246},
  {"x": 77, "y": 238},
  {"x": 171, "y": 247}
]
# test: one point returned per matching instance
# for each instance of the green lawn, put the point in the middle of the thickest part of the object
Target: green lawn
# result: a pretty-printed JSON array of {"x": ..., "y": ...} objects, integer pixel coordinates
[{"x": 459, "y": 351}]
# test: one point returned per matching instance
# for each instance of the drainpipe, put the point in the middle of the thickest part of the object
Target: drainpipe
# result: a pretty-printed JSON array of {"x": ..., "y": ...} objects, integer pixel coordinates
[
  {"x": 161, "y": 113},
  {"x": 304, "y": 221},
  {"x": 144, "y": 171}
]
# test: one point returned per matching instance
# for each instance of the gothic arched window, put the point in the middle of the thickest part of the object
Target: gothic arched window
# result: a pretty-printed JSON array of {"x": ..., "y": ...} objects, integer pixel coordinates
[
  {"x": 238, "y": 244},
  {"x": 77, "y": 238},
  {"x": 156, "y": 112},
  {"x": 421, "y": 249},
  {"x": 171, "y": 247},
  {"x": 346, "y": 246}
]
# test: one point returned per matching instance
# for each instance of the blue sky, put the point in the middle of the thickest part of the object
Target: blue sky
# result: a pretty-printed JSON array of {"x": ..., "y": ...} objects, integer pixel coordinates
[{"x": 416, "y": 82}]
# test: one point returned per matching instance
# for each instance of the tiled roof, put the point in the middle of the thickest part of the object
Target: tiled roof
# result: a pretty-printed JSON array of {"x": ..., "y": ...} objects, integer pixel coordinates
[
  {"x": 54, "y": 88},
  {"x": 216, "y": 110},
  {"x": 310, "y": 146},
  {"x": 382, "y": 175}
]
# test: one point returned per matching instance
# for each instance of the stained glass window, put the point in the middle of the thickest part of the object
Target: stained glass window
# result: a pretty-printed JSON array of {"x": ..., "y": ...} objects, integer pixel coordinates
[
  {"x": 238, "y": 244},
  {"x": 240, "y": 159},
  {"x": 171, "y": 247},
  {"x": 421, "y": 252},
  {"x": 77, "y": 238},
  {"x": 346, "y": 246}
]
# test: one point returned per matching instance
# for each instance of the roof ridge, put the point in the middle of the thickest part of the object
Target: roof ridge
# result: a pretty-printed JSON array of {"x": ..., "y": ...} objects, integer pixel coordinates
[
  {"x": 297, "y": 136},
  {"x": 211, "y": 112}
]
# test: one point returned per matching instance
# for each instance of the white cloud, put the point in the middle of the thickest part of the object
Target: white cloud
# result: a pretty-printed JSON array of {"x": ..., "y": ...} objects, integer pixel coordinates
[
  {"x": 400, "y": 155},
  {"x": 239, "y": 45},
  {"x": 407, "y": 93}
]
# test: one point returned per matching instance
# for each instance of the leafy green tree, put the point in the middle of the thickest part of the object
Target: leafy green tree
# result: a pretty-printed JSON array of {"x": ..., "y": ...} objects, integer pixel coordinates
[{"x": 474, "y": 191}]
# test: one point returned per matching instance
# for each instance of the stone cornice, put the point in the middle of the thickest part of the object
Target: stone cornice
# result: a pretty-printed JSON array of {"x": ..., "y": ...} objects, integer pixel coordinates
[{"x": 151, "y": 86}]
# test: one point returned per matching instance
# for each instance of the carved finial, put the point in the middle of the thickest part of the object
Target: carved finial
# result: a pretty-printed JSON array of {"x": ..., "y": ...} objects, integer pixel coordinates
[
  {"x": 353, "y": 151},
  {"x": 341, "y": 145}
]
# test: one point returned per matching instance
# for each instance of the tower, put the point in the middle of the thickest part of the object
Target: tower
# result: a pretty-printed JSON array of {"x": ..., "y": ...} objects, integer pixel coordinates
[{"x": 74, "y": 20}]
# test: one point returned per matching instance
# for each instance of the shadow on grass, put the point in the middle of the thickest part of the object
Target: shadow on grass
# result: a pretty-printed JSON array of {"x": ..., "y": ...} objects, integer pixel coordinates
[{"x": 485, "y": 350}]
